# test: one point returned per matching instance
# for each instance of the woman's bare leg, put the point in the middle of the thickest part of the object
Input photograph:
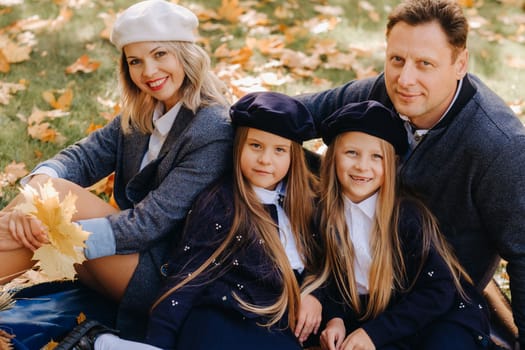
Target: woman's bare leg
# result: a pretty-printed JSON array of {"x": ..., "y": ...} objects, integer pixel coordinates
[
  {"x": 16, "y": 260},
  {"x": 109, "y": 275},
  {"x": 14, "y": 263}
]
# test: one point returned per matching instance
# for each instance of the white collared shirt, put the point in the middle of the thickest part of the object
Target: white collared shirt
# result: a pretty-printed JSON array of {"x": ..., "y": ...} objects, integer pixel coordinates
[
  {"x": 162, "y": 123},
  {"x": 416, "y": 135},
  {"x": 359, "y": 220},
  {"x": 285, "y": 229}
]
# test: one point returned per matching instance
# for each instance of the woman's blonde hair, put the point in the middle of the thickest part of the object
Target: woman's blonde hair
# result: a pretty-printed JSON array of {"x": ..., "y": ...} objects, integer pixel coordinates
[
  {"x": 387, "y": 271},
  {"x": 250, "y": 217},
  {"x": 199, "y": 88}
]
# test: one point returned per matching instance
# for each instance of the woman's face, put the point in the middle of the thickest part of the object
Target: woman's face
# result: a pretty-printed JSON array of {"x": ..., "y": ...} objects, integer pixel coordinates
[
  {"x": 359, "y": 165},
  {"x": 155, "y": 70},
  {"x": 265, "y": 158}
]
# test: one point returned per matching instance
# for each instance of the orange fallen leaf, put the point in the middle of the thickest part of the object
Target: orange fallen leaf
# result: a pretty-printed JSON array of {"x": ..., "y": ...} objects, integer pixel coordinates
[
  {"x": 81, "y": 318},
  {"x": 92, "y": 127},
  {"x": 83, "y": 64},
  {"x": 230, "y": 10},
  {"x": 8, "y": 89},
  {"x": 38, "y": 153},
  {"x": 4, "y": 63},
  {"x": 15, "y": 171},
  {"x": 466, "y": 3},
  {"x": 40, "y": 130},
  {"x": 241, "y": 56},
  {"x": 64, "y": 100},
  {"x": 43, "y": 132},
  {"x": 50, "y": 346}
]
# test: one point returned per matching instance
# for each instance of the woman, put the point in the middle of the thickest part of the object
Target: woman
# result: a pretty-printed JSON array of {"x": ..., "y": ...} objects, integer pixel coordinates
[{"x": 172, "y": 139}]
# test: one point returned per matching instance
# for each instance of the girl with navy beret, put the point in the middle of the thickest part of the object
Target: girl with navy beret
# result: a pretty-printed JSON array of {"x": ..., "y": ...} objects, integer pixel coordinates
[
  {"x": 393, "y": 282},
  {"x": 234, "y": 280}
]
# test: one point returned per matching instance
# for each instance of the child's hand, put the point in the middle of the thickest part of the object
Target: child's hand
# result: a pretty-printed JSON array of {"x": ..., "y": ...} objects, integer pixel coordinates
[
  {"x": 333, "y": 335},
  {"x": 358, "y": 340},
  {"x": 25, "y": 231},
  {"x": 308, "y": 318}
]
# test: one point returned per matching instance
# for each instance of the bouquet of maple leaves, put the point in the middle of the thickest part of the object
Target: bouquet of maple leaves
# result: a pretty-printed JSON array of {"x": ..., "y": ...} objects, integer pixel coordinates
[{"x": 66, "y": 238}]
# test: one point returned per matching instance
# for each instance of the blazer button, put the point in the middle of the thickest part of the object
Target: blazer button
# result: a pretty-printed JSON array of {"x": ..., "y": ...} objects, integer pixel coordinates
[{"x": 164, "y": 270}]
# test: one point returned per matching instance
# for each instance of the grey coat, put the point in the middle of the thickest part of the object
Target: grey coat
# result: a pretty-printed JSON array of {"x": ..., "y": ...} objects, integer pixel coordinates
[
  {"x": 470, "y": 171},
  {"x": 154, "y": 201}
]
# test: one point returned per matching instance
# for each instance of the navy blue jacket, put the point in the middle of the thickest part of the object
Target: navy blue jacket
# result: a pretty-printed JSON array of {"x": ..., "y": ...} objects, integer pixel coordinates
[
  {"x": 244, "y": 269},
  {"x": 433, "y": 296}
]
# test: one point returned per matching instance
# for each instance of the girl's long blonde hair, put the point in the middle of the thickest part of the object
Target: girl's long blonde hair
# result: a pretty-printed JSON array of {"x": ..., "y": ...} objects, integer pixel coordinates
[
  {"x": 250, "y": 217},
  {"x": 199, "y": 88},
  {"x": 387, "y": 270}
]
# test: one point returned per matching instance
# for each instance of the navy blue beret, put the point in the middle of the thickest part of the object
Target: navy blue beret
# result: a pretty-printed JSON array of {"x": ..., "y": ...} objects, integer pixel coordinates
[
  {"x": 275, "y": 113},
  {"x": 370, "y": 117}
]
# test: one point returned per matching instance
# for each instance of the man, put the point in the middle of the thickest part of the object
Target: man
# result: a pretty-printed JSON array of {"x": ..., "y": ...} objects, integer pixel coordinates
[{"x": 467, "y": 159}]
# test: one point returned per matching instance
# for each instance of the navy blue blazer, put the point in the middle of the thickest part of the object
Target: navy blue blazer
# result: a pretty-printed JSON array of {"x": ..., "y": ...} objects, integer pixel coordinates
[
  {"x": 244, "y": 269},
  {"x": 433, "y": 296}
]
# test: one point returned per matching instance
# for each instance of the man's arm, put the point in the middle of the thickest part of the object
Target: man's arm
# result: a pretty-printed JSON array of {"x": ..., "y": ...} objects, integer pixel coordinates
[{"x": 501, "y": 201}]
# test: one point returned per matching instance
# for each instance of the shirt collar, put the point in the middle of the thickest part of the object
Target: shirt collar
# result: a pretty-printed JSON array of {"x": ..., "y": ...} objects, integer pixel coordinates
[
  {"x": 164, "y": 121},
  {"x": 269, "y": 196},
  {"x": 424, "y": 131},
  {"x": 367, "y": 206}
]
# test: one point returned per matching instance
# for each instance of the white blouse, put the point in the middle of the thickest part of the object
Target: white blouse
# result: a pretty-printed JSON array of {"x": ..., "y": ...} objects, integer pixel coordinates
[
  {"x": 359, "y": 220},
  {"x": 285, "y": 229}
]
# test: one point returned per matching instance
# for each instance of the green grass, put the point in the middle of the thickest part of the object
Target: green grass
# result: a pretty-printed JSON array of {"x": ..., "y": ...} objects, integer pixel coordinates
[{"x": 55, "y": 50}]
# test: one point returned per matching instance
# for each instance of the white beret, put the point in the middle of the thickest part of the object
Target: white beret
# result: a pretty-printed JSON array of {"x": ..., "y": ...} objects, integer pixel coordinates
[{"x": 154, "y": 20}]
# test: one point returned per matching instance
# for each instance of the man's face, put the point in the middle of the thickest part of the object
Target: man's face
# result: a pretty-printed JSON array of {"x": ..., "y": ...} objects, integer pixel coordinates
[{"x": 420, "y": 73}]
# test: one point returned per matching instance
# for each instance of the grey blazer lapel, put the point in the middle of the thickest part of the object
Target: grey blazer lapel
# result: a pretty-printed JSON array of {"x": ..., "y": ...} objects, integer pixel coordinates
[
  {"x": 135, "y": 148},
  {"x": 150, "y": 177}
]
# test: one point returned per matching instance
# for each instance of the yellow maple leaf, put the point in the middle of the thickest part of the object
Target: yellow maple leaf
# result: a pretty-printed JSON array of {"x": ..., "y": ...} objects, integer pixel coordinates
[{"x": 66, "y": 237}]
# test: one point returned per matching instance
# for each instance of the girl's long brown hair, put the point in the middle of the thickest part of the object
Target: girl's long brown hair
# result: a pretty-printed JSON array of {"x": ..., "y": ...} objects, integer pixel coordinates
[
  {"x": 250, "y": 216},
  {"x": 387, "y": 271}
]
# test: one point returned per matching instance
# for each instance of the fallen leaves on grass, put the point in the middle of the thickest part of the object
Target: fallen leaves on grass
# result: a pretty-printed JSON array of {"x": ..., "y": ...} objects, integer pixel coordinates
[{"x": 42, "y": 130}]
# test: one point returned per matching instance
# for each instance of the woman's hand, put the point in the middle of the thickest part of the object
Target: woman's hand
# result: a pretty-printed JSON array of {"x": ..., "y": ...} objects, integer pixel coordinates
[
  {"x": 308, "y": 318},
  {"x": 358, "y": 340},
  {"x": 333, "y": 335},
  {"x": 19, "y": 230}
]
